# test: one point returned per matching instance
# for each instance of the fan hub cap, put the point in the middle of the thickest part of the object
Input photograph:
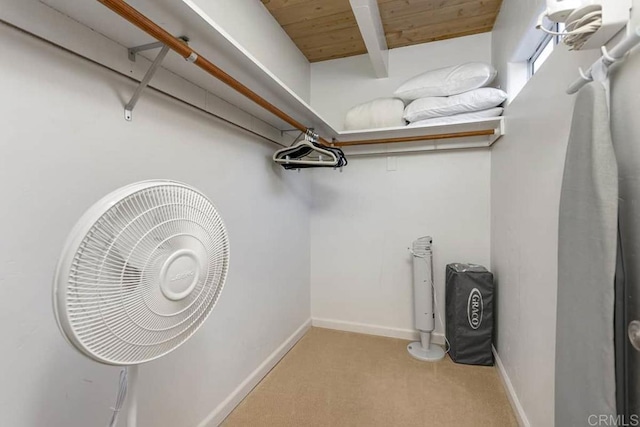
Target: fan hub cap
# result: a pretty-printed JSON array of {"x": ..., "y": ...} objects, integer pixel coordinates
[{"x": 180, "y": 274}]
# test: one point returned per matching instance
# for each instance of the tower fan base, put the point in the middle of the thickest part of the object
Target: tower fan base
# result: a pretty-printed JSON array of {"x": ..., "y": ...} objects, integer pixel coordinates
[{"x": 431, "y": 354}]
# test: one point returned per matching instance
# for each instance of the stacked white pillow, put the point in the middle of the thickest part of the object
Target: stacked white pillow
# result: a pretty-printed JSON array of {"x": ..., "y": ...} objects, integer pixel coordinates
[
  {"x": 442, "y": 106},
  {"x": 460, "y": 118},
  {"x": 447, "y": 81},
  {"x": 452, "y": 91},
  {"x": 379, "y": 113}
]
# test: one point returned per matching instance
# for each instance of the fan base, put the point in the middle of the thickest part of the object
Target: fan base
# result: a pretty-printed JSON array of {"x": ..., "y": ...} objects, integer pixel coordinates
[{"x": 431, "y": 354}]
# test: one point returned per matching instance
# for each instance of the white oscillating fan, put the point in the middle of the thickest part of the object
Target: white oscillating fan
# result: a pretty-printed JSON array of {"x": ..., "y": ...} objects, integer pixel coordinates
[
  {"x": 139, "y": 274},
  {"x": 423, "y": 295}
]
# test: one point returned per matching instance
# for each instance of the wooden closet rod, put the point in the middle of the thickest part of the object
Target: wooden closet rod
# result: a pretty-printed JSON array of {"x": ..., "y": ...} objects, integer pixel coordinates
[
  {"x": 416, "y": 138},
  {"x": 148, "y": 26}
]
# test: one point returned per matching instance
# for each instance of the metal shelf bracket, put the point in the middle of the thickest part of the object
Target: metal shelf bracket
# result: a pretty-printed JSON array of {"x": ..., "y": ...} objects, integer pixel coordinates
[{"x": 128, "y": 109}]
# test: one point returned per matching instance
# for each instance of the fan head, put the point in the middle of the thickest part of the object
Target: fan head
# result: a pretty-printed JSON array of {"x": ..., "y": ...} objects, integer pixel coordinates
[{"x": 140, "y": 272}]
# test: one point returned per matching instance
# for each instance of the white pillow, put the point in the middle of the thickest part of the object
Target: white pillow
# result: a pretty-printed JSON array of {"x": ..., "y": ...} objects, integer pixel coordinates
[
  {"x": 379, "y": 113},
  {"x": 458, "y": 118},
  {"x": 475, "y": 100},
  {"x": 447, "y": 81}
]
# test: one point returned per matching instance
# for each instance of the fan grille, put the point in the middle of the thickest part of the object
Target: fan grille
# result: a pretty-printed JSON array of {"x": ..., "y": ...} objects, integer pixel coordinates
[{"x": 146, "y": 274}]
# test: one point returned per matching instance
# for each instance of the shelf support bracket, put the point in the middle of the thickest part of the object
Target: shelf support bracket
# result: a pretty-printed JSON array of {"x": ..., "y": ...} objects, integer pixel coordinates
[
  {"x": 128, "y": 109},
  {"x": 132, "y": 51}
]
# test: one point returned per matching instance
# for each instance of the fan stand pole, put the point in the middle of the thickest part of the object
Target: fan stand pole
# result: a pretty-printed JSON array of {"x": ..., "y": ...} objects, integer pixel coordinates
[
  {"x": 425, "y": 340},
  {"x": 132, "y": 393}
]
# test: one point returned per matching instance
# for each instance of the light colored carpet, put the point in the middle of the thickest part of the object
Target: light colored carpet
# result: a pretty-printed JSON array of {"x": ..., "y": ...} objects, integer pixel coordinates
[{"x": 333, "y": 378}]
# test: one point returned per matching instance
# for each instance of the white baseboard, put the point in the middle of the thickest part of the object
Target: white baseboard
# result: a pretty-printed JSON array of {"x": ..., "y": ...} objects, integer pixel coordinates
[
  {"x": 383, "y": 331},
  {"x": 221, "y": 412},
  {"x": 521, "y": 416}
]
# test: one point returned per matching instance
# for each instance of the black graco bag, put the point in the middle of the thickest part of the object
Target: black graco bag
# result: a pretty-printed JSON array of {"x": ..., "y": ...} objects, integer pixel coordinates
[{"x": 469, "y": 298}]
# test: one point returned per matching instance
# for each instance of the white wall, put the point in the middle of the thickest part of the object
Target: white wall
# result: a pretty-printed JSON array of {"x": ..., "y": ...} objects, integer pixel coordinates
[
  {"x": 515, "y": 37},
  {"x": 364, "y": 219},
  {"x": 339, "y": 84},
  {"x": 64, "y": 145},
  {"x": 526, "y": 176},
  {"x": 250, "y": 23}
]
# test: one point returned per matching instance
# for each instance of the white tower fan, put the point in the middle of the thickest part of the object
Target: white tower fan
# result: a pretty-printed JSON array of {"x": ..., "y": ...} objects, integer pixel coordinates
[
  {"x": 423, "y": 302},
  {"x": 139, "y": 274}
]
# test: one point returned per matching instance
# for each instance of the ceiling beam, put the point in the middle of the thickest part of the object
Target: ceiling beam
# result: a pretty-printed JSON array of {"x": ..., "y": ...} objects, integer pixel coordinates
[{"x": 368, "y": 18}]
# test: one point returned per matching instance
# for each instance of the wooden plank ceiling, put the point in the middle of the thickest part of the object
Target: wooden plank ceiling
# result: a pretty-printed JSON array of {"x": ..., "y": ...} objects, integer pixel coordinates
[{"x": 327, "y": 29}]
